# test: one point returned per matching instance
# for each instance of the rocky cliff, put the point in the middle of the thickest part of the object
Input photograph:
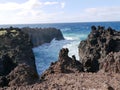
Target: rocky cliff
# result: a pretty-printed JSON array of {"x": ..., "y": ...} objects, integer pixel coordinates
[
  {"x": 100, "y": 50},
  {"x": 17, "y": 63},
  {"x": 43, "y": 35}
]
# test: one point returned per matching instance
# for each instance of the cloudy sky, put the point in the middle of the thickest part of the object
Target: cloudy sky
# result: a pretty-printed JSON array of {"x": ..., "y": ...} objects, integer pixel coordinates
[{"x": 58, "y": 11}]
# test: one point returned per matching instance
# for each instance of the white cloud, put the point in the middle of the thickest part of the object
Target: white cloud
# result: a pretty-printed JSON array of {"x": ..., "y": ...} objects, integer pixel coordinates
[
  {"x": 98, "y": 14},
  {"x": 62, "y": 4},
  {"x": 51, "y": 3},
  {"x": 94, "y": 14},
  {"x": 9, "y": 6},
  {"x": 30, "y": 11}
]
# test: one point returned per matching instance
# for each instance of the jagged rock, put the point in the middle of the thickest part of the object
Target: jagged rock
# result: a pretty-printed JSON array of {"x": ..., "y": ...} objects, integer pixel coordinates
[
  {"x": 65, "y": 64},
  {"x": 15, "y": 49},
  {"x": 111, "y": 63},
  {"x": 22, "y": 75},
  {"x": 43, "y": 35},
  {"x": 100, "y": 42}
]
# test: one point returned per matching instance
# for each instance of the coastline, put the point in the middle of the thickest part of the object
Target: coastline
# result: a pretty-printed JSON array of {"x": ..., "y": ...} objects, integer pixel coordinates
[{"x": 64, "y": 73}]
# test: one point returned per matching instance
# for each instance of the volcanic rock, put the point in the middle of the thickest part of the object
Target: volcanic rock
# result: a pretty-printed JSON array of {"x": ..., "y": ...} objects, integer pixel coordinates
[
  {"x": 111, "y": 63},
  {"x": 43, "y": 35},
  {"x": 98, "y": 45},
  {"x": 15, "y": 49},
  {"x": 3, "y": 81},
  {"x": 75, "y": 81},
  {"x": 65, "y": 64},
  {"x": 22, "y": 75}
]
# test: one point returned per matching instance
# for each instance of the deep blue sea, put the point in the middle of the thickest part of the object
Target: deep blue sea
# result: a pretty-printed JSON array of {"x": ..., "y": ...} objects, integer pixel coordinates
[{"x": 73, "y": 34}]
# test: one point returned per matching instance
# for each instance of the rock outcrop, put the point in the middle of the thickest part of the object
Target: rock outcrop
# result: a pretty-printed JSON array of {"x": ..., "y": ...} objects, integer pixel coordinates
[
  {"x": 111, "y": 63},
  {"x": 65, "y": 64},
  {"x": 22, "y": 75},
  {"x": 43, "y": 35},
  {"x": 100, "y": 42},
  {"x": 16, "y": 58}
]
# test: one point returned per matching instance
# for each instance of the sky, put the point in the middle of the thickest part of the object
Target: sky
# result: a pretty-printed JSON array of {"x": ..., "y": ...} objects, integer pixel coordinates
[{"x": 58, "y": 11}]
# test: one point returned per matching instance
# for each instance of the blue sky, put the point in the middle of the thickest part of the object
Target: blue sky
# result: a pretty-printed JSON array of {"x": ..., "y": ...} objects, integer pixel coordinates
[{"x": 58, "y": 11}]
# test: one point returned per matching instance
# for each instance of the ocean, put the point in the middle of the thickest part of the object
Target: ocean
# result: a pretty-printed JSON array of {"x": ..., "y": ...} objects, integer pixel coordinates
[{"x": 73, "y": 34}]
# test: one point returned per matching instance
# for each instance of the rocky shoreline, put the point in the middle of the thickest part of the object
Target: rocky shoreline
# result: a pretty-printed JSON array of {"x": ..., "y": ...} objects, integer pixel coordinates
[{"x": 98, "y": 68}]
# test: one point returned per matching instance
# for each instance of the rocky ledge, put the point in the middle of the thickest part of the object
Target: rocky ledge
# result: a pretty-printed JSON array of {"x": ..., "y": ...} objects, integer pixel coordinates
[
  {"x": 17, "y": 62},
  {"x": 43, "y": 35}
]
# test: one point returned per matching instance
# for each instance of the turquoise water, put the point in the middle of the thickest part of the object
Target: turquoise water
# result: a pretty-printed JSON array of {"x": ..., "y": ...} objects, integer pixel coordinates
[{"x": 73, "y": 33}]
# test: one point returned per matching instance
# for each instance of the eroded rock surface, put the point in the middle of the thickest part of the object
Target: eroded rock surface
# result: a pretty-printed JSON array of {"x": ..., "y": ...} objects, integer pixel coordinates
[
  {"x": 65, "y": 64},
  {"x": 22, "y": 75},
  {"x": 75, "y": 81},
  {"x": 43, "y": 35},
  {"x": 16, "y": 58},
  {"x": 111, "y": 63},
  {"x": 97, "y": 46}
]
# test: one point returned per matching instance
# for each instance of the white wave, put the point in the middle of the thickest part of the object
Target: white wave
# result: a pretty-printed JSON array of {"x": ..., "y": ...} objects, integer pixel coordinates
[
  {"x": 47, "y": 53},
  {"x": 68, "y": 38},
  {"x": 73, "y": 48},
  {"x": 75, "y": 36}
]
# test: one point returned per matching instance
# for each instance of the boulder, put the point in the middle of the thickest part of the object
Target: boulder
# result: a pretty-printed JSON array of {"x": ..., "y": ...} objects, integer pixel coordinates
[
  {"x": 98, "y": 45},
  {"x": 65, "y": 64}
]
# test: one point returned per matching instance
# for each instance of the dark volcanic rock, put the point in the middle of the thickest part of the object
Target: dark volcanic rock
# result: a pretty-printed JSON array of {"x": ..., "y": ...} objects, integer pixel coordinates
[
  {"x": 15, "y": 49},
  {"x": 7, "y": 64},
  {"x": 43, "y": 35},
  {"x": 99, "y": 44},
  {"x": 65, "y": 64},
  {"x": 3, "y": 81}
]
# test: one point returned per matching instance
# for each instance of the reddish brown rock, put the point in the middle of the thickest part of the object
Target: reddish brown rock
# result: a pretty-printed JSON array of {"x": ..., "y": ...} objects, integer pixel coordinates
[
  {"x": 22, "y": 75},
  {"x": 65, "y": 64},
  {"x": 75, "y": 81},
  {"x": 111, "y": 63}
]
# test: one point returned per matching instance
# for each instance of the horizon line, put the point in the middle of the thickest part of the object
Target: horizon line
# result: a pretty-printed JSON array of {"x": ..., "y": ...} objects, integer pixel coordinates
[{"x": 60, "y": 22}]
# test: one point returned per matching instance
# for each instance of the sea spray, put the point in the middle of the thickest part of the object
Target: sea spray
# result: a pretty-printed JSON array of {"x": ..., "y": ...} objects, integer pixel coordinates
[{"x": 47, "y": 53}]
